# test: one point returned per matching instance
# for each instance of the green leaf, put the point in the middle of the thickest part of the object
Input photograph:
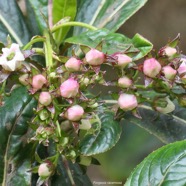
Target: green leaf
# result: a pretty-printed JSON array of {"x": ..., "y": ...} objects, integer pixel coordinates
[
  {"x": 167, "y": 127},
  {"x": 141, "y": 44},
  {"x": 166, "y": 166},
  {"x": 39, "y": 8},
  {"x": 14, "y": 150},
  {"x": 106, "y": 13},
  {"x": 113, "y": 42},
  {"x": 61, "y": 178},
  {"x": 62, "y": 9},
  {"x": 105, "y": 136},
  {"x": 12, "y": 22}
]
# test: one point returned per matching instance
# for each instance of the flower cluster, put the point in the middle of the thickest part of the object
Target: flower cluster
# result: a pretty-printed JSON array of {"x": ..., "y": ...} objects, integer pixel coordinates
[{"x": 65, "y": 107}]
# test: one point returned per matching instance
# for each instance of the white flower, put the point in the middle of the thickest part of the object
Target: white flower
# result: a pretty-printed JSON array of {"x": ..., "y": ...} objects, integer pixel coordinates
[{"x": 11, "y": 58}]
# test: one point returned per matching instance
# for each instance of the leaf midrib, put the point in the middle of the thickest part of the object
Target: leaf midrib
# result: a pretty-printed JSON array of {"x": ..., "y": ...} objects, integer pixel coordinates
[{"x": 8, "y": 143}]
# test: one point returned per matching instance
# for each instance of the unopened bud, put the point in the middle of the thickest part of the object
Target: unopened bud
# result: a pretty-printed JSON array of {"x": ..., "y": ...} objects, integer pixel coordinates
[
  {"x": 74, "y": 113},
  {"x": 151, "y": 67},
  {"x": 123, "y": 60},
  {"x": 24, "y": 79},
  {"x": 182, "y": 68},
  {"x": 45, "y": 98},
  {"x": 45, "y": 170},
  {"x": 182, "y": 100},
  {"x": 127, "y": 102},
  {"x": 69, "y": 88},
  {"x": 38, "y": 81},
  {"x": 169, "y": 72},
  {"x": 124, "y": 82},
  {"x": 169, "y": 51},
  {"x": 73, "y": 64},
  {"x": 164, "y": 105},
  {"x": 85, "y": 124},
  {"x": 94, "y": 57}
]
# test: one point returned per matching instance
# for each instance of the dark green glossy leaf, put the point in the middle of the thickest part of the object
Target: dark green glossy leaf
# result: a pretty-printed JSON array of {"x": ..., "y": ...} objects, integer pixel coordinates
[
  {"x": 14, "y": 150},
  {"x": 105, "y": 136},
  {"x": 12, "y": 22},
  {"x": 106, "y": 13},
  {"x": 61, "y": 177},
  {"x": 62, "y": 9},
  {"x": 141, "y": 44},
  {"x": 113, "y": 42},
  {"x": 39, "y": 8},
  {"x": 167, "y": 127},
  {"x": 165, "y": 167}
]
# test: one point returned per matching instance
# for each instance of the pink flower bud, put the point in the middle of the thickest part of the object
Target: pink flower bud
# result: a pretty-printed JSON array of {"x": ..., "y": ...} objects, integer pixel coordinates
[
  {"x": 182, "y": 68},
  {"x": 38, "y": 81},
  {"x": 44, "y": 170},
  {"x": 169, "y": 72},
  {"x": 123, "y": 60},
  {"x": 45, "y": 98},
  {"x": 151, "y": 67},
  {"x": 73, "y": 64},
  {"x": 74, "y": 113},
  {"x": 95, "y": 57},
  {"x": 125, "y": 82},
  {"x": 69, "y": 88},
  {"x": 169, "y": 51},
  {"x": 127, "y": 102}
]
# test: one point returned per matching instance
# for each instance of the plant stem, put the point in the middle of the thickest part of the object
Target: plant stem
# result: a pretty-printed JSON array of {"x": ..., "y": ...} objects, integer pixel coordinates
[
  {"x": 111, "y": 101},
  {"x": 48, "y": 51},
  {"x": 38, "y": 51},
  {"x": 73, "y": 23},
  {"x": 68, "y": 170},
  {"x": 28, "y": 45}
]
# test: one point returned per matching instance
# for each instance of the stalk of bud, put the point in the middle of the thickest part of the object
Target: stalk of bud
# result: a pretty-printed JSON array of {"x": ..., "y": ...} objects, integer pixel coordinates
[
  {"x": 123, "y": 60},
  {"x": 151, "y": 67},
  {"x": 38, "y": 81},
  {"x": 69, "y": 88},
  {"x": 74, "y": 113},
  {"x": 94, "y": 57},
  {"x": 127, "y": 102},
  {"x": 124, "y": 82},
  {"x": 169, "y": 72},
  {"x": 45, "y": 98},
  {"x": 73, "y": 64}
]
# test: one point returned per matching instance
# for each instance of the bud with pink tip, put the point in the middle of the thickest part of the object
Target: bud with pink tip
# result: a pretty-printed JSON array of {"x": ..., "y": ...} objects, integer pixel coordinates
[
  {"x": 182, "y": 67},
  {"x": 169, "y": 72},
  {"x": 123, "y": 60},
  {"x": 169, "y": 51},
  {"x": 45, "y": 170},
  {"x": 124, "y": 82},
  {"x": 74, "y": 113},
  {"x": 127, "y": 102},
  {"x": 69, "y": 88},
  {"x": 94, "y": 57},
  {"x": 38, "y": 81},
  {"x": 45, "y": 98},
  {"x": 151, "y": 67},
  {"x": 73, "y": 64}
]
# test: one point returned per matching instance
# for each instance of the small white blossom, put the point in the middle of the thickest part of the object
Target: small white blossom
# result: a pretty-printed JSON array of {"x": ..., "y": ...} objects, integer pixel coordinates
[{"x": 11, "y": 58}]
